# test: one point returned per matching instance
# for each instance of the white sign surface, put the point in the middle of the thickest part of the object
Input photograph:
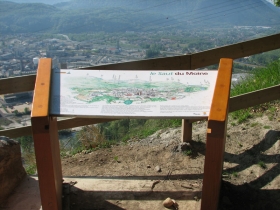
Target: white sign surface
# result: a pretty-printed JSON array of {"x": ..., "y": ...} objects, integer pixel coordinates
[{"x": 142, "y": 94}]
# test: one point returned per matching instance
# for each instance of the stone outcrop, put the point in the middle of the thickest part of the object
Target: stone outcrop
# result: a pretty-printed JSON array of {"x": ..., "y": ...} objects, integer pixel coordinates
[{"x": 11, "y": 168}]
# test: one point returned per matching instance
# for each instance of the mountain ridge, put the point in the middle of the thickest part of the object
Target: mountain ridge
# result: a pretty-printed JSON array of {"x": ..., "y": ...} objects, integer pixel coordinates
[{"x": 133, "y": 15}]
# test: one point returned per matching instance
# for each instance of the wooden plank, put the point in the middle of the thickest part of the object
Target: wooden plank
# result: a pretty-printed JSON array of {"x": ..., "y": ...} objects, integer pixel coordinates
[
  {"x": 213, "y": 165},
  {"x": 56, "y": 159},
  {"x": 17, "y": 132},
  {"x": 254, "y": 98},
  {"x": 234, "y": 51},
  {"x": 62, "y": 124},
  {"x": 40, "y": 107},
  {"x": 222, "y": 91},
  {"x": 17, "y": 84},
  {"x": 168, "y": 63},
  {"x": 186, "y": 130},
  {"x": 45, "y": 136},
  {"x": 77, "y": 122},
  {"x": 50, "y": 183},
  {"x": 216, "y": 135}
]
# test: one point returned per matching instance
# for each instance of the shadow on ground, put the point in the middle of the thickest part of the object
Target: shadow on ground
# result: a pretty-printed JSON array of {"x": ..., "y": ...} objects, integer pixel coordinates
[{"x": 245, "y": 196}]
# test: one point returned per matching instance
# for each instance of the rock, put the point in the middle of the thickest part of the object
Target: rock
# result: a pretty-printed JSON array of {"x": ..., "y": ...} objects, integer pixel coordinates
[
  {"x": 196, "y": 198},
  {"x": 182, "y": 147},
  {"x": 148, "y": 166},
  {"x": 168, "y": 202},
  {"x": 158, "y": 169},
  {"x": 11, "y": 169}
]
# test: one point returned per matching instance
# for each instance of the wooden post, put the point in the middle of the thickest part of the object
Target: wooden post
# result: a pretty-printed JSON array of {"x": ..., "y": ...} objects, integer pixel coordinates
[
  {"x": 45, "y": 136},
  {"x": 186, "y": 130},
  {"x": 216, "y": 135}
]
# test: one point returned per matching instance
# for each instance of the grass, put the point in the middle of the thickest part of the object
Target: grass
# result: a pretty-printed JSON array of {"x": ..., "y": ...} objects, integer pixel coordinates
[
  {"x": 148, "y": 128},
  {"x": 31, "y": 169},
  {"x": 241, "y": 115},
  {"x": 188, "y": 152},
  {"x": 234, "y": 173},
  {"x": 229, "y": 175},
  {"x": 258, "y": 79},
  {"x": 262, "y": 164},
  {"x": 254, "y": 124},
  {"x": 29, "y": 162}
]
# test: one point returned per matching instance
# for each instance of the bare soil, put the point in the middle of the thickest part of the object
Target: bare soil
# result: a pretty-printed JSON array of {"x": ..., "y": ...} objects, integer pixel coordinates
[{"x": 250, "y": 178}]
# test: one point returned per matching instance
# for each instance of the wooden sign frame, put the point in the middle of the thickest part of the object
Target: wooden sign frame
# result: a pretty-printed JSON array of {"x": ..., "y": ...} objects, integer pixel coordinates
[{"x": 47, "y": 151}]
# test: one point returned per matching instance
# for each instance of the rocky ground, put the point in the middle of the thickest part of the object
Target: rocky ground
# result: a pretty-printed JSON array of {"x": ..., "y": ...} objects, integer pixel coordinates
[{"x": 251, "y": 177}]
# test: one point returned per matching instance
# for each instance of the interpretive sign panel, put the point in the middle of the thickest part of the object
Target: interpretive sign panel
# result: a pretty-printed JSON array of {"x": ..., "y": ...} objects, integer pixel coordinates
[{"x": 143, "y": 94}]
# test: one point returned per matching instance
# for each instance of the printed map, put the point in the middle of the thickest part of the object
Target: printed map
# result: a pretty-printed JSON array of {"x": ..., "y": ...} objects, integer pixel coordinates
[{"x": 131, "y": 93}]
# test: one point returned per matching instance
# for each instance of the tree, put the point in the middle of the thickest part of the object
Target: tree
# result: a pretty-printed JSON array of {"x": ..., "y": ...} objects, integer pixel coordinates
[
  {"x": 16, "y": 112},
  {"x": 27, "y": 110},
  {"x": 277, "y": 3},
  {"x": 90, "y": 136}
]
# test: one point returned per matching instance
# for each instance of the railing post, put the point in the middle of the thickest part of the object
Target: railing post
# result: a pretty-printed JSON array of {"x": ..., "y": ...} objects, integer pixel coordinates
[
  {"x": 186, "y": 130},
  {"x": 46, "y": 144},
  {"x": 216, "y": 136}
]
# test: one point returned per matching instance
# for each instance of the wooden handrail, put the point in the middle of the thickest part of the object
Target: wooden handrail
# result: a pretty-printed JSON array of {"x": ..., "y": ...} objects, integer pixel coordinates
[
  {"x": 183, "y": 62},
  {"x": 17, "y": 84},
  {"x": 235, "y": 103},
  {"x": 254, "y": 98}
]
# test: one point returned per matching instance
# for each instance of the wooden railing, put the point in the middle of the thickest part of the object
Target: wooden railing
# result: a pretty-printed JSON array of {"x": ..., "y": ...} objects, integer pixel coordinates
[{"x": 184, "y": 62}]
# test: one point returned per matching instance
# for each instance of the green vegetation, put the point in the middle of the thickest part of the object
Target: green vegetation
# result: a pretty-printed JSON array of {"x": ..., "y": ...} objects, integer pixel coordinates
[
  {"x": 153, "y": 50},
  {"x": 266, "y": 127},
  {"x": 262, "y": 164},
  {"x": 240, "y": 145},
  {"x": 28, "y": 154},
  {"x": 26, "y": 111},
  {"x": 188, "y": 152},
  {"x": 116, "y": 158},
  {"x": 234, "y": 173},
  {"x": 241, "y": 115},
  {"x": 254, "y": 124},
  {"x": 260, "y": 78},
  {"x": 125, "y": 129},
  {"x": 230, "y": 174}
]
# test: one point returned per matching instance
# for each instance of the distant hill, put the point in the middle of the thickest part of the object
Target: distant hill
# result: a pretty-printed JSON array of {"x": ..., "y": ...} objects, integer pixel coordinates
[
  {"x": 39, "y": 1},
  {"x": 78, "y": 16}
]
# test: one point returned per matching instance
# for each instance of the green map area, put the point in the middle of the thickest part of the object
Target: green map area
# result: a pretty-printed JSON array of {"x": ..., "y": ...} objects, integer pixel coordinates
[{"x": 94, "y": 89}]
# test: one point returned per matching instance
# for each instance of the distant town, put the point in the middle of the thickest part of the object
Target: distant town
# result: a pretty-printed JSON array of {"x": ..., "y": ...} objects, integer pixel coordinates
[{"x": 20, "y": 54}]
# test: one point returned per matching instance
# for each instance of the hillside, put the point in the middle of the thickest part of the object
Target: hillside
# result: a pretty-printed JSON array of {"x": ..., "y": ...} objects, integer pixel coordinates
[
  {"x": 251, "y": 177},
  {"x": 136, "y": 15}
]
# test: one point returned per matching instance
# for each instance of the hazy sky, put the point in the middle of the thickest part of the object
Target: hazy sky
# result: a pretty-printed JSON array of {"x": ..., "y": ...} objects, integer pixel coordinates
[
  {"x": 37, "y": 1},
  {"x": 56, "y": 1}
]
